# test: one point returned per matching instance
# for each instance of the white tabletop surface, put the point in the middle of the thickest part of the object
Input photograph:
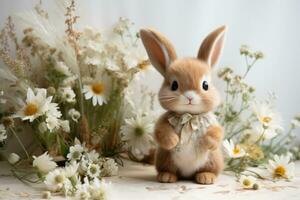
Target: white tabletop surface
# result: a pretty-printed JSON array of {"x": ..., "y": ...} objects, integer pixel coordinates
[{"x": 137, "y": 181}]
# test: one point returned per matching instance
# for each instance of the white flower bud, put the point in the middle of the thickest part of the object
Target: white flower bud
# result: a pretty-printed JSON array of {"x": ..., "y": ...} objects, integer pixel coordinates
[{"x": 13, "y": 158}]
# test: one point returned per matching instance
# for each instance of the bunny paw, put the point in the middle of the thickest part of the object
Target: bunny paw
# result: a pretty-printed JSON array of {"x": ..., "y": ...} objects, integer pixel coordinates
[
  {"x": 166, "y": 177},
  {"x": 209, "y": 142},
  {"x": 205, "y": 178},
  {"x": 169, "y": 142}
]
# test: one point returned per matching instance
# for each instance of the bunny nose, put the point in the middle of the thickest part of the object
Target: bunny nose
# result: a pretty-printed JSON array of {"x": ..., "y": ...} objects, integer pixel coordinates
[{"x": 190, "y": 99}]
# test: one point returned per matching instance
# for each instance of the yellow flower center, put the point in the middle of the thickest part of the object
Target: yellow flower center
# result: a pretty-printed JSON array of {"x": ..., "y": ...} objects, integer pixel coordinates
[
  {"x": 30, "y": 109},
  {"x": 98, "y": 88},
  {"x": 144, "y": 65},
  {"x": 93, "y": 170},
  {"x": 139, "y": 131},
  {"x": 236, "y": 150},
  {"x": 279, "y": 171},
  {"x": 59, "y": 179},
  {"x": 246, "y": 182},
  {"x": 266, "y": 119}
]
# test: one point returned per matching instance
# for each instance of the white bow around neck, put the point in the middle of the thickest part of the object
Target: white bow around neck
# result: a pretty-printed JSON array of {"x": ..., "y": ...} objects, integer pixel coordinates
[{"x": 187, "y": 124}]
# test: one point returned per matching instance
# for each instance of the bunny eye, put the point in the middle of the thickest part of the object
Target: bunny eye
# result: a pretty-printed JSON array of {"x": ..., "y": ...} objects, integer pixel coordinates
[
  {"x": 174, "y": 86},
  {"x": 205, "y": 85}
]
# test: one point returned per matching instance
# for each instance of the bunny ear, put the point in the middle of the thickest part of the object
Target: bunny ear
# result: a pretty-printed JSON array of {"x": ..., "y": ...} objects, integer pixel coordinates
[
  {"x": 160, "y": 51},
  {"x": 211, "y": 47}
]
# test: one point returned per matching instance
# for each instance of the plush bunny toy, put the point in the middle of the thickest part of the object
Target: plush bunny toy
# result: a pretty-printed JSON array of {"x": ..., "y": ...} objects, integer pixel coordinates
[{"x": 188, "y": 134}]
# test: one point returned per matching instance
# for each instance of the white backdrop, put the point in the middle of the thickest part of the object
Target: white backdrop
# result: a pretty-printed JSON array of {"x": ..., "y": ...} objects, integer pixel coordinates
[{"x": 268, "y": 25}]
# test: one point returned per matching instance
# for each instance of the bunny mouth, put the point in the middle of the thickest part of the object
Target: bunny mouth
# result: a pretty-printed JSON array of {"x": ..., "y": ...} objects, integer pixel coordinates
[{"x": 190, "y": 104}]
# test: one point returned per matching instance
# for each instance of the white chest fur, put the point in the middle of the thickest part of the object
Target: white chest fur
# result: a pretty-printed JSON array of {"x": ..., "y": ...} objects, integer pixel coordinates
[{"x": 189, "y": 158}]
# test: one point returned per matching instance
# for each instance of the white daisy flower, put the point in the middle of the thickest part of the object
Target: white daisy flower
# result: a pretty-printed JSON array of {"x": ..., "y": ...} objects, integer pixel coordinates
[
  {"x": 71, "y": 169},
  {"x": 93, "y": 156},
  {"x": 35, "y": 106},
  {"x": 93, "y": 170},
  {"x": 67, "y": 94},
  {"x": 122, "y": 26},
  {"x": 269, "y": 118},
  {"x": 65, "y": 125},
  {"x": 52, "y": 123},
  {"x": 83, "y": 166},
  {"x": 70, "y": 81},
  {"x": 53, "y": 110},
  {"x": 82, "y": 192},
  {"x": 55, "y": 179},
  {"x": 44, "y": 163},
  {"x": 109, "y": 167},
  {"x": 67, "y": 187},
  {"x": 233, "y": 151},
  {"x": 3, "y": 134},
  {"x": 98, "y": 91},
  {"x": 100, "y": 189},
  {"x": 265, "y": 134},
  {"x": 75, "y": 152},
  {"x": 281, "y": 167},
  {"x": 13, "y": 158},
  {"x": 137, "y": 132},
  {"x": 62, "y": 68},
  {"x": 247, "y": 181},
  {"x": 74, "y": 114}
]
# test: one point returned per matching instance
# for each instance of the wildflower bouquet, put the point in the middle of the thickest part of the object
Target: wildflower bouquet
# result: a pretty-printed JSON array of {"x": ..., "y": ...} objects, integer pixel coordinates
[
  {"x": 75, "y": 92},
  {"x": 254, "y": 133}
]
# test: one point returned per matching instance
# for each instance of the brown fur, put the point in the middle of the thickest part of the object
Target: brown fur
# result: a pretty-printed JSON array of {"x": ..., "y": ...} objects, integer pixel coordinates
[
  {"x": 189, "y": 73},
  {"x": 164, "y": 163}
]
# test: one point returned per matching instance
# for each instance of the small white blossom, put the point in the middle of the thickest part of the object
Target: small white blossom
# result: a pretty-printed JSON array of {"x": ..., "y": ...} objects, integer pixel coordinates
[
  {"x": 53, "y": 110},
  {"x": 67, "y": 94},
  {"x": 75, "y": 152},
  {"x": 266, "y": 115},
  {"x": 82, "y": 192},
  {"x": 52, "y": 123},
  {"x": 65, "y": 125},
  {"x": 44, "y": 163},
  {"x": 137, "y": 132},
  {"x": 74, "y": 114},
  {"x": 71, "y": 169},
  {"x": 62, "y": 68},
  {"x": 70, "y": 81},
  {"x": 36, "y": 105},
  {"x": 98, "y": 91},
  {"x": 93, "y": 170},
  {"x": 281, "y": 167},
  {"x": 13, "y": 158},
  {"x": 93, "y": 156},
  {"x": 110, "y": 167},
  {"x": 55, "y": 180},
  {"x": 247, "y": 181},
  {"x": 234, "y": 151},
  {"x": 100, "y": 190}
]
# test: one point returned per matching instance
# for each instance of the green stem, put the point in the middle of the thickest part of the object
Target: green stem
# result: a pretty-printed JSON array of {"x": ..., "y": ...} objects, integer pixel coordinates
[
  {"x": 257, "y": 174},
  {"x": 249, "y": 66},
  {"x": 260, "y": 137}
]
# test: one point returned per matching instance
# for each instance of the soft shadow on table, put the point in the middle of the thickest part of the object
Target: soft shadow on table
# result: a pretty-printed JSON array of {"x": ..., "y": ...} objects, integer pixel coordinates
[{"x": 143, "y": 172}]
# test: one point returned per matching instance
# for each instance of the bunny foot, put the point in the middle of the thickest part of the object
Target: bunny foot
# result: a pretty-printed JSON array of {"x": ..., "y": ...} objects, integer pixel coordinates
[
  {"x": 166, "y": 177},
  {"x": 205, "y": 178}
]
